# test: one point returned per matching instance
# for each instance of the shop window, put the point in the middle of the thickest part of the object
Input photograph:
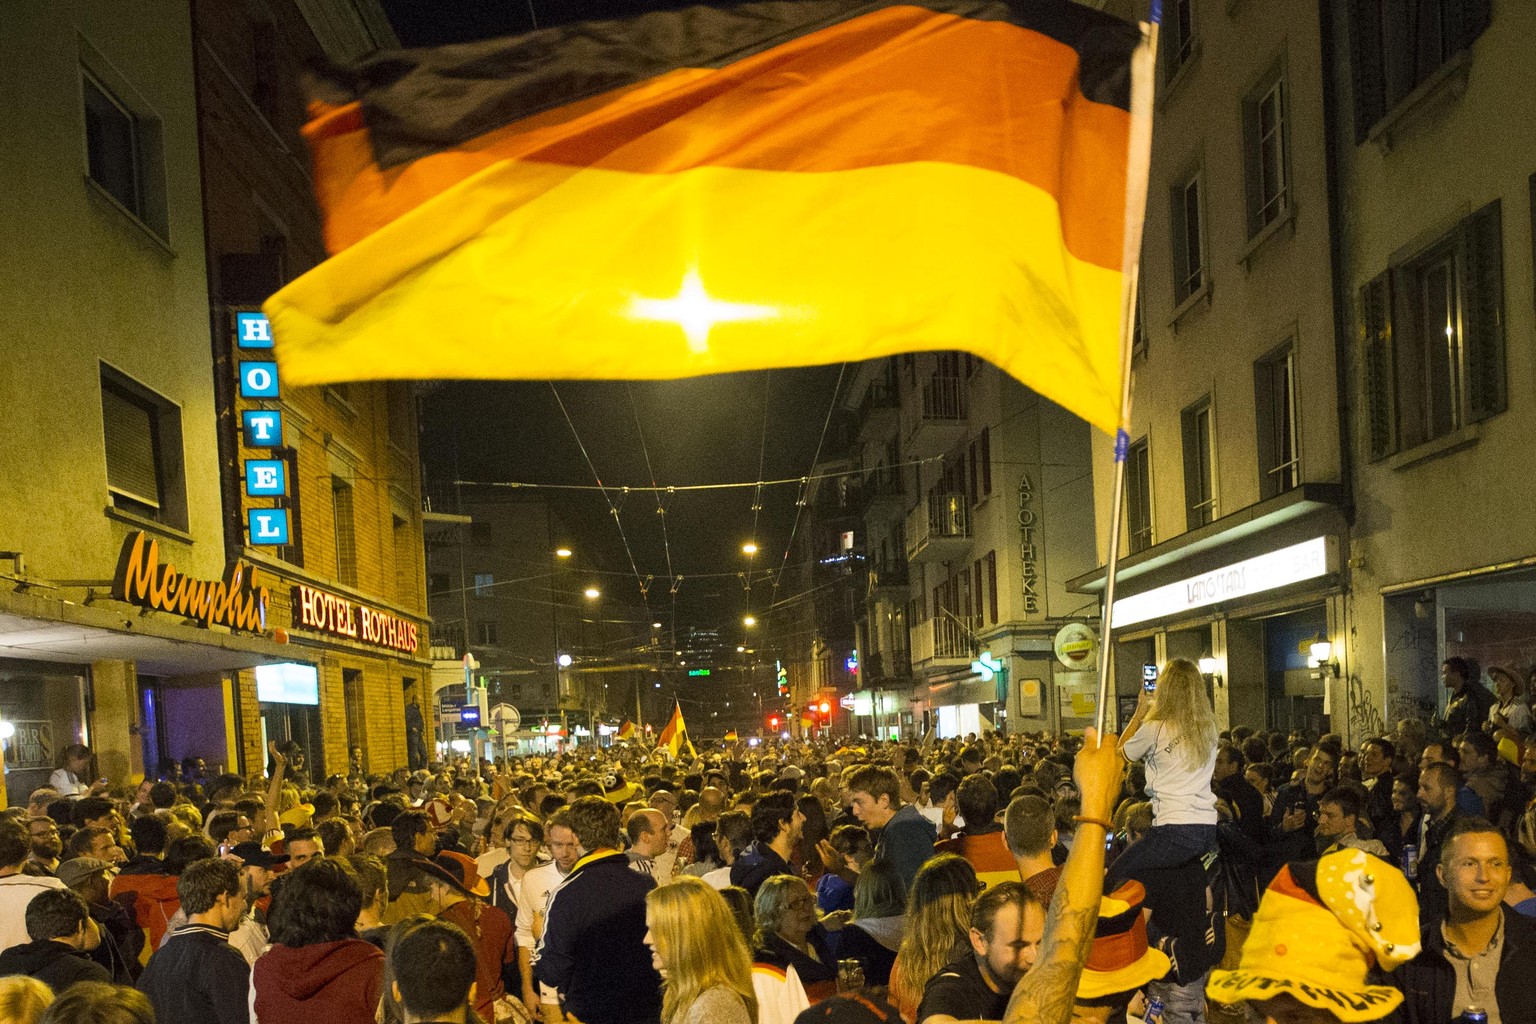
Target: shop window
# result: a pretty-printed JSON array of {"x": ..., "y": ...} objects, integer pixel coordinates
[
  {"x": 1275, "y": 400},
  {"x": 1188, "y": 238},
  {"x": 1266, "y": 153},
  {"x": 123, "y": 151},
  {"x": 1433, "y": 329},
  {"x": 345, "y": 518},
  {"x": 485, "y": 632},
  {"x": 1395, "y": 47},
  {"x": 484, "y": 581},
  {"x": 142, "y": 434},
  {"x": 1199, "y": 466},
  {"x": 1138, "y": 496}
]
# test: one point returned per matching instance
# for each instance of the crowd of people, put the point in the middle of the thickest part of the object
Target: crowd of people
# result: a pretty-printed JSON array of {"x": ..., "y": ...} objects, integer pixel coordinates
[{"x": 1173, "y": 873}]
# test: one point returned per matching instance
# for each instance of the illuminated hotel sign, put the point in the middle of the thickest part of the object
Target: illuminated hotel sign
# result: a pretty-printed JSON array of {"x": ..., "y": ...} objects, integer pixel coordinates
[
  {"x": 1295, "y": 564},
  {"x": 142, "y": 579},
  {"x": 328, "y": 613},
  {"x": 261, "y": 429}
]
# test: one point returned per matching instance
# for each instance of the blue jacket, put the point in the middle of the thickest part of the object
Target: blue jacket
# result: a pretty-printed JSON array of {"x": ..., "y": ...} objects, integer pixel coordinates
[
  {"x": 758, "y": 863},
  {"x": 593, "y": 950},
  {"x": 906, "y": 842}
]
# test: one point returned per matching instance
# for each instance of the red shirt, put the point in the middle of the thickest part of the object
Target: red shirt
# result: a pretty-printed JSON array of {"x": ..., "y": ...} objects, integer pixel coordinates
[
  {"x": 988, "y": 854},
  {"x": 490, "y": 929}
]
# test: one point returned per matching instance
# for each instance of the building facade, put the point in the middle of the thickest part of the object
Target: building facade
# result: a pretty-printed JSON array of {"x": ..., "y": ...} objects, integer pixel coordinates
[
  {"x": 1234, "y": 548},
  {"x": 1435, "y": 172},
  {"x": 110, "y": 422},
  {"x": 977, "y": 501},
  {"x": 321, "y": 486}
]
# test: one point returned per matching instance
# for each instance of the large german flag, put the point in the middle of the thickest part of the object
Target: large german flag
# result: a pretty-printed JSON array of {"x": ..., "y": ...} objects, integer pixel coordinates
[{"x": 774, "y": 183}]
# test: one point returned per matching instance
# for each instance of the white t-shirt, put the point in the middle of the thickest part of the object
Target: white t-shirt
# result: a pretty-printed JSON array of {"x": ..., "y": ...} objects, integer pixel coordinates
[
  {"x": 538, "y": 883},
  {"x": 1180, "y": 796},
  {"x": 1518, "y": 715},
  {"x": 720, "y": 878}
]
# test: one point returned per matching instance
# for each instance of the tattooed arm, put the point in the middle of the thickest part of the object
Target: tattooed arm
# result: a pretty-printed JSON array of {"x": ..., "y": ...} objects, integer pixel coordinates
[{"x": 1046, "y": 994}]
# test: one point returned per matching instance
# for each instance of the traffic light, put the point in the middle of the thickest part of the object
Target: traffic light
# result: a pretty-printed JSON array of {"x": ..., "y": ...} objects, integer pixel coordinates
[
  {"x": 773, "y": 723},
  {"x": 825, "y": 708},
  {"x": 783, "y": 677}
]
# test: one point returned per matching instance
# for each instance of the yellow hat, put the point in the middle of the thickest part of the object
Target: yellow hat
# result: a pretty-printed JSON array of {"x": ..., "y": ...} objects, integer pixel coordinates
[
  {"x": 1120, "y": 959},
  {"x": 1321, "y": 926}
]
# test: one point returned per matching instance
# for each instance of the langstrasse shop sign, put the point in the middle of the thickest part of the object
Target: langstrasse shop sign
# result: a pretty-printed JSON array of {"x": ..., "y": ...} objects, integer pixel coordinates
[
  {"x": 142, "y": 579},
  {"x": 1295, "y": 564},
  {"x": 337, "y": 616}
]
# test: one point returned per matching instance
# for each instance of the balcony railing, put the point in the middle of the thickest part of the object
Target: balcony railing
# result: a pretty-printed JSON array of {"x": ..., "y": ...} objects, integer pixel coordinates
[
  {"x": 944, "y": 398},
  {"x": 888, "y": 574},
  {"x": 879, "y": 395},
  {"x": 883, "y": 481},
  {"x": 881, "y": 665},
  {"x": 942, "y": 516},
  {"x": 951, "y": 639}
]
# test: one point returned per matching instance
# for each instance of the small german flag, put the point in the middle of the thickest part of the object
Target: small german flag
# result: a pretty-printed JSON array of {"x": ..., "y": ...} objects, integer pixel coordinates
[
  {"x": 627, "y": 730},
  {"x": 725, "y": 187},
  {"x": 730, "y": 736}
]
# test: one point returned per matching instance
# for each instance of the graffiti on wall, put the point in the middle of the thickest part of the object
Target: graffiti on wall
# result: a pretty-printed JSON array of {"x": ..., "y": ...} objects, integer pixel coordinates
[{"x": 1364, "y": 716}]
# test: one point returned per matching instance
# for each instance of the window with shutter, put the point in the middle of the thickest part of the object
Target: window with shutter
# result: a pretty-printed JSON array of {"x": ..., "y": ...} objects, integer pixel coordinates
[
  {"x": 1483, "y": 315},
  {"x": 1378, "y": 365},
  {"x": 1395, "y": 46},
  {"x": 1138, "y": 496},
  {"x": 1199, "y": 466},
  {"x": 133, "y": 472},
  {"x": 992, "y": 586}
]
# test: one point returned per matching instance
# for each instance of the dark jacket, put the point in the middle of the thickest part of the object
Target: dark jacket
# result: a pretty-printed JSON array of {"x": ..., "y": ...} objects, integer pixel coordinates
[
  {"x": 197, "y": 977},
  {"x": 330, "y": 982},
  {"x": 593, "y": 950},
  {"x": 1246, "y": 803},
  {"x": 53, "y": 963},
  {"x": 1432, "y": 899},
  {"x": 1428, "y": 982},
  {"x": 122, "y": 940},
  {"x": 906, "y": 842},
  {"x": 819, "y": 975},
  {"x": 1467, "y": 710},
  {"x": 756, "y": 865}
]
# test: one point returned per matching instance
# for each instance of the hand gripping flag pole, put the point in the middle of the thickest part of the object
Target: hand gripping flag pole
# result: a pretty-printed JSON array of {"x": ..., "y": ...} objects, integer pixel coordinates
[{"x": 1138, "y": 169}]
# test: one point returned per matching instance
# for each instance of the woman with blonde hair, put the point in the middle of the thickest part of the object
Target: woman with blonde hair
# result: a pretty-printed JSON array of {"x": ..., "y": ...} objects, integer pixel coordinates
[
  {"x": 700, "y": 954},
  {"x": 1173, "y": 734},
  {"x": 938, "y": 927},
  {"x": 23, "y": 999}
]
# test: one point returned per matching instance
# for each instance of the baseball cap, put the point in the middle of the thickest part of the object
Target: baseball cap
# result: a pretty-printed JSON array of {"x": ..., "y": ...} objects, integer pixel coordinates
[
  {"x": 254, "y": 856},
  {"x": 73, "y": 872}
]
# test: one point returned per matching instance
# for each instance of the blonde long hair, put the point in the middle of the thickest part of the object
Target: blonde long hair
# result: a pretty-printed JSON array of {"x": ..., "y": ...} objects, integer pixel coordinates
[
  {"x": 938, "y": 920},
  {"x": 698, "y": 939},
  {"x": 1181, "y": 703}
]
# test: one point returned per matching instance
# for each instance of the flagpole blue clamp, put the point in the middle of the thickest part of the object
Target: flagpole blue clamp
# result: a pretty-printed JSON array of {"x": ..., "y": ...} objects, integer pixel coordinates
[
  {"x": 1122, "y": 445},
  {"x": 1156, "y": 15}
]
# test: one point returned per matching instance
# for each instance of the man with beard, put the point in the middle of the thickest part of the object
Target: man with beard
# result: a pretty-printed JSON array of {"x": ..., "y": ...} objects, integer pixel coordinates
[
  {"x": 46, "y": 844},
  {"x": 776, "y": 824},
  {"x": 1293, "y": 818},
  {"x": 249, "y": 937},
  {"x": 1007, "y": 927}
]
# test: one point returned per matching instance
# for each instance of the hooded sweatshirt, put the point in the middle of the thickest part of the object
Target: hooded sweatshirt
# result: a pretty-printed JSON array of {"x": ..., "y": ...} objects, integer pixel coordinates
[
  {"x": 331, "y": 982},
  {"x": 55, "y": 964}
]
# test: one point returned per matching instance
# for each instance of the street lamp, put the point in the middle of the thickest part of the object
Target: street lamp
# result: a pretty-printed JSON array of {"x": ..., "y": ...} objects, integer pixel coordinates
[
  {"x": 749, "y": 548},
  {"x": 564, "y": 661},
  {"x": 749, "y": 621},
  {"x": 562, "y": 552},
  {"x": 592, "y": 593}
]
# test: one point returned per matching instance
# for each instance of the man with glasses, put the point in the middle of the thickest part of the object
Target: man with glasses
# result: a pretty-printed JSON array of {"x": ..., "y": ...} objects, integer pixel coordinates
[{"x": 46, "y": 844}]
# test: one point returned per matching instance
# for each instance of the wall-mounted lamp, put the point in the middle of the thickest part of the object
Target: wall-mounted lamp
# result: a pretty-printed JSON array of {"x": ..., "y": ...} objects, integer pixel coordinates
[
  {"x": 1320, "y": 656},
  {"x": 1210, "y": 666}
]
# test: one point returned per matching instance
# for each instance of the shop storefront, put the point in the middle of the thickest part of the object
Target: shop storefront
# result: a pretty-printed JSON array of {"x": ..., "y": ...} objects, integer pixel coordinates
[
  {"x": 1256, "y": 599},
  {"x": 139, "y": 667}
]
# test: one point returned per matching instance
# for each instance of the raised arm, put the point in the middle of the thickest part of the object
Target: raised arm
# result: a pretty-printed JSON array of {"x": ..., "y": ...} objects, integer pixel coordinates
[
  {"x": 269, "y": 811},
  {"x": 1046, "y": 994}
]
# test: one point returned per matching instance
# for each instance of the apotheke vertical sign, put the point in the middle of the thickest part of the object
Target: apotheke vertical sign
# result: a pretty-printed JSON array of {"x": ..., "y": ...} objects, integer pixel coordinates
[{"x": 262, "y": 429}]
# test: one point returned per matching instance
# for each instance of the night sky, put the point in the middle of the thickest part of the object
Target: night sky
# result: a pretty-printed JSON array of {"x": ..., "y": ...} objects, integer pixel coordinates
[{"x": 704, "y": 430}]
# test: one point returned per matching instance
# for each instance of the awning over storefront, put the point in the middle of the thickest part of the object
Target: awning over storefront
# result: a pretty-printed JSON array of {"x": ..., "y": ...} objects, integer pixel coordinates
[
  {"x": 1265, "y": 515},
  {"x": 34, "y": 627}
]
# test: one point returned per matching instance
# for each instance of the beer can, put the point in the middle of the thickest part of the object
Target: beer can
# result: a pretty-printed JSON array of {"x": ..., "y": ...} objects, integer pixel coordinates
[{"x": 1411, "y": 861}]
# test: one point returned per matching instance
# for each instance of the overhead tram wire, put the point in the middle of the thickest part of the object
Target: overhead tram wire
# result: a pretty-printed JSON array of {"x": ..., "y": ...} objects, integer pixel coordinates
[
  {"x": 805, "y": 481},
  {"x": 617, "y": 521},
  {"x": 671, "y": 488}
]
